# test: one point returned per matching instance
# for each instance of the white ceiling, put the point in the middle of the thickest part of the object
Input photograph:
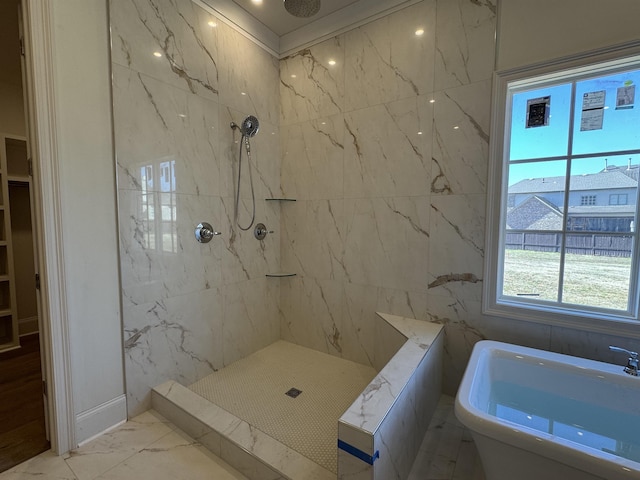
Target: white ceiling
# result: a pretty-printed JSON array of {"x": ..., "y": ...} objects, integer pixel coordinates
[
  {"x": 282, "y": 34},
  {"x": 273, "y": 14}
]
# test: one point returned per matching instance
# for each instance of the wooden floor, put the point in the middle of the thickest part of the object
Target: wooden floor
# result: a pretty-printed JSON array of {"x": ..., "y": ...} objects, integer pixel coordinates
[{"x": 22, "y": 423}]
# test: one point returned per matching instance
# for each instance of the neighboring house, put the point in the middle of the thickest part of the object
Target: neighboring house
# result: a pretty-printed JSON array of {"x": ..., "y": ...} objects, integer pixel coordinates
[{"x": 600, "y": 202}]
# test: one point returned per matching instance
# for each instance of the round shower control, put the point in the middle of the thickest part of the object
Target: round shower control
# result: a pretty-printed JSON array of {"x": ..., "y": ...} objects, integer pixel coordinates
[
  {"x": 204, "y": 232},
  {"x": 261, "y": 231}
]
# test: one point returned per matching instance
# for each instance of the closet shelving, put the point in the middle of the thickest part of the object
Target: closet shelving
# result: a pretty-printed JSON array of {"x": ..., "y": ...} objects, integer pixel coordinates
[{"x": 11, "y": 148}]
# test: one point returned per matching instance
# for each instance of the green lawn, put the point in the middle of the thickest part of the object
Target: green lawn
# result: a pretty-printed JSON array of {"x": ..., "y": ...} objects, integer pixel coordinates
[{"x": 589, "y": 280}]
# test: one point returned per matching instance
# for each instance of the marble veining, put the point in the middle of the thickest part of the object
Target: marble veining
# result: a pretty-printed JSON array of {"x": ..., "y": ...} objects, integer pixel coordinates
[
  {"x": 465, "y": 42},
  {"x": 309, "y": 87},
  {"x": 388, "y": 419},
  {"x": 386, "y": 61},
  {"x": 173, "y": 42},
  {"x": 180, "y": 76},
  {"x": 149, "y": 446}
]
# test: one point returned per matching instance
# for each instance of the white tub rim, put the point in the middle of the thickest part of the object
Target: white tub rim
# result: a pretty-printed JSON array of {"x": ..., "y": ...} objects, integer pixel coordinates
[{"x": 564, "y": 451}]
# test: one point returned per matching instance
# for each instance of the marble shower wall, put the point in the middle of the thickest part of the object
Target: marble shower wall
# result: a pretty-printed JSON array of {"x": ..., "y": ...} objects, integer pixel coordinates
[
  {"x": 387, "y": 154},
  {"x": 180, "y": 76}
]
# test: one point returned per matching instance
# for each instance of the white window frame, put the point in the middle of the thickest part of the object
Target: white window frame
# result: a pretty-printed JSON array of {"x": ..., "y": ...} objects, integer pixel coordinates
[{"x": 622, "y": 57}]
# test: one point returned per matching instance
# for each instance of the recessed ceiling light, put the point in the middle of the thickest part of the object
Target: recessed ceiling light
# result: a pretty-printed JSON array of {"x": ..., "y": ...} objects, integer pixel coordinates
[
  {"x": 212, "y": 24},
  {"x": 419, "y": 32},
  {"x": 294, "y": 76},
  {"x": 256, "y": 2},
  {"x": 332, "y": 62},
  {"x": 456, "y": 127},
  {"x": 419, "y": 133},
  {"x": 432, "y": 101},
  {"x": 157, "y": 54},
  {"x": 242, "y": 93}
]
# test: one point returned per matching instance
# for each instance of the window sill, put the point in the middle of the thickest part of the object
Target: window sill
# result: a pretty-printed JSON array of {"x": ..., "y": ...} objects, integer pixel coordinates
[{"x": 596, "y": 323}]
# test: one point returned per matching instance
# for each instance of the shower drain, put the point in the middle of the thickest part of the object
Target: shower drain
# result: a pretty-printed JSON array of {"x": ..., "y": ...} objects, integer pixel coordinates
[{"x": 293, "y": 392}]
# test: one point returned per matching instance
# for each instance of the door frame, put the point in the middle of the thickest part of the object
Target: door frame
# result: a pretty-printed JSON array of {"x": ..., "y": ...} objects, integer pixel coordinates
[{"x": 43, "y": 139}]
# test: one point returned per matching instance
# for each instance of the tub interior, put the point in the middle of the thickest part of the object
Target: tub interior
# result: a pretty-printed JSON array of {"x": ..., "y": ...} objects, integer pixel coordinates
[{"x": 592, "y": 407}]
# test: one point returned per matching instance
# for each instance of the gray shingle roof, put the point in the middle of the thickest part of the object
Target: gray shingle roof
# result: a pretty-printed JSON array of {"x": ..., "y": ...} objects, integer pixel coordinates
[{"x": 594, "y": 181}]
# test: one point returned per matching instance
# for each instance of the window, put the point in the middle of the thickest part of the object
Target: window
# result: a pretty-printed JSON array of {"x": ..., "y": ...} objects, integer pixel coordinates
[
  {"x": 571, "y": 137},
  {"x": 588, "y": 200},
  {"x": 618, "y": 199}
]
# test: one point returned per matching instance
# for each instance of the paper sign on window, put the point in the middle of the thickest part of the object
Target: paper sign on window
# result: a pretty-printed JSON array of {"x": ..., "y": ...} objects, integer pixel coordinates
[
  {"x": 625, "y": 97},
  {"x": 592, "y": 110},
  {"x": 538, "y": 112}
]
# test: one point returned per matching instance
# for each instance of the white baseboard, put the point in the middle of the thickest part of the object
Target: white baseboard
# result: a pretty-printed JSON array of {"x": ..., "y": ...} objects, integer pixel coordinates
[{"x": 97, "y": 420}]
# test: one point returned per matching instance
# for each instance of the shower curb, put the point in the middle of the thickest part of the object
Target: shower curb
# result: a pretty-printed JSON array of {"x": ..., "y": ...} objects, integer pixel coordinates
[{"x": 247, "y": 449}]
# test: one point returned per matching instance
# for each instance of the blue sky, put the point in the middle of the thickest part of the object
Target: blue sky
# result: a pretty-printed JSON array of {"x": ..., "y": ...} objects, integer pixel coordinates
[{"x": 619, "y": 129}]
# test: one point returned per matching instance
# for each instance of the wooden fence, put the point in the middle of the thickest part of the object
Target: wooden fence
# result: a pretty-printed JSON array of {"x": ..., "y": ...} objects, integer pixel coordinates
[{"x": 592, "y": 244}]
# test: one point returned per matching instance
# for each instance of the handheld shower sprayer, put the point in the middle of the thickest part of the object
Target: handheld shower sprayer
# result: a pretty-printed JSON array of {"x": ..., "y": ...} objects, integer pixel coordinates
[{"x": 248, "y": 129}]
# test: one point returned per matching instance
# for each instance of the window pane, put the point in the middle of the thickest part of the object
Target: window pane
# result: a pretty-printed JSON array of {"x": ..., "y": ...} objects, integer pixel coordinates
[
  {"x": 597, "y": 271},
  {"x": 532, "y": 274},
  {"x": 570, "y": 169},
  {"x": 602, "y": 195},
  {"x": 549, "y": 137},
  {"x": 607, "y": 114},
  {"x": 536, "y": 195}
]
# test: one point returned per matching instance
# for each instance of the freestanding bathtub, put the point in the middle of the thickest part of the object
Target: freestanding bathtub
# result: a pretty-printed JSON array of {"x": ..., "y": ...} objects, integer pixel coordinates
[{"x": 540, "y": 415}]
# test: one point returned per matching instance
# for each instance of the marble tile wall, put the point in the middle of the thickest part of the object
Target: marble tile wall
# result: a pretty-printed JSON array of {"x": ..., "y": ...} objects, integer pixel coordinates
[
  {"x": 178, "y": 82},
  {"x": 387, "y": 154}
]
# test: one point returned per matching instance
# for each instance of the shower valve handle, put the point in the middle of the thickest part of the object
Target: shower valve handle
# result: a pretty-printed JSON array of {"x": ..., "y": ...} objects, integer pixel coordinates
[
  {"x": 205, "y": 232},
  {"x": 261, "y": 231}
]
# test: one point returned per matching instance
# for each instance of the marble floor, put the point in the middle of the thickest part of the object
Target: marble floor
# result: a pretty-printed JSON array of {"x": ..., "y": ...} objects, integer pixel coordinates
[{"x": 149, "y": 447}]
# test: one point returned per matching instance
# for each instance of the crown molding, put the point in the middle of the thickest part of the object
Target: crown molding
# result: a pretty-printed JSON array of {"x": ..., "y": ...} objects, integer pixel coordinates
[
  {"x": 239, "y": 19},
  {"x": 340, "y": 21}
]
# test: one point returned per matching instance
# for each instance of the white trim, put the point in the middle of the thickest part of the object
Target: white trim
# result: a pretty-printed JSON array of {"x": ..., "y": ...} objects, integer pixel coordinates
[
  {"x": 340, "y": 21},
  {"x": 48, "y": 221},
  {"x": 606, "y": 324},
  {"x": 90, "y": 424},
  {"x": 246, "y": 25}
]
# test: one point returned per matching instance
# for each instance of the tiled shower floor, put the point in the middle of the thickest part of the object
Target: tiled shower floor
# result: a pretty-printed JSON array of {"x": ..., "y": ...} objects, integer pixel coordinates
[{"x": 253, "y": 389}]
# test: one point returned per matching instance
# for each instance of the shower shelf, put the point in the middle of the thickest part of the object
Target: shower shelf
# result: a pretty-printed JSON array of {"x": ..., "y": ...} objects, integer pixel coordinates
[
  {"x": 280, "y": 275},
  {"x": 280, "y": 199}
]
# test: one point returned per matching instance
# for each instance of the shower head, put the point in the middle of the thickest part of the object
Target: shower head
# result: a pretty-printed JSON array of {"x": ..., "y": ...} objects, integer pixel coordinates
[
  {"x": 250, "y": 126},
  {"x": 302, "y": 8}
]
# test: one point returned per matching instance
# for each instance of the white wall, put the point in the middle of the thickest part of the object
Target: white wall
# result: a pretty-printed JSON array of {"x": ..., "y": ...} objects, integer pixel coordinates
[
  {"x": 534, "y": 31},
  {"x": 81, "y": 81}
]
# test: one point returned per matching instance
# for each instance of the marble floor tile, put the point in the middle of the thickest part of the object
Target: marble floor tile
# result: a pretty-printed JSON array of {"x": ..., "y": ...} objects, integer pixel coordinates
[
  {"x": 149, "y": 447},
  {"x": 146, "y": 447},
  {"x": 46, "y": 466},
  {"x": 447, "y": 451},
  {"x": 175, "y": 455},
  {"x": 116, "y": 446}
]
